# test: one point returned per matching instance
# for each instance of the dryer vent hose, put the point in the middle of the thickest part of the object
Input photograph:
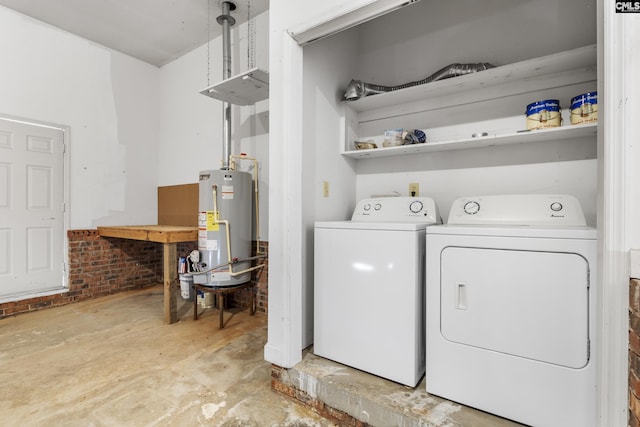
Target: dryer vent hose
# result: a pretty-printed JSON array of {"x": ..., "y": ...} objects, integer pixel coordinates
[{"x": 358, "y": 89}]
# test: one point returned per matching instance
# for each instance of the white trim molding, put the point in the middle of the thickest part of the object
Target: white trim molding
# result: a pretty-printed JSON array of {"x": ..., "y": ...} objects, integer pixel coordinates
[
  {"x": 284, "y": 346},
  {"x": 345, "y": 17},
  {"x": 613, "y": 283}
]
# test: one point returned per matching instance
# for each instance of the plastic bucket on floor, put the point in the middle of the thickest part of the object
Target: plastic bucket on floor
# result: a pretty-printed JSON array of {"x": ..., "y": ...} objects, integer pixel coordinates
[
  {"x": 208, "y": 300},
  {"x": 186, "y": 288}
]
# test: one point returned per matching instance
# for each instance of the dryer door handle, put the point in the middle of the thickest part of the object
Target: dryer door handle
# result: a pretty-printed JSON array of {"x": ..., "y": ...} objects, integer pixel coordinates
[{"x": 461, "y": 296}]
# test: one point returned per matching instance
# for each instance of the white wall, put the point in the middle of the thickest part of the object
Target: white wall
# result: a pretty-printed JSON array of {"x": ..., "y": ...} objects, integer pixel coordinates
[
  {"x": 416, "y": 41},
  {"x": 109, "y": 103},
  {"x": 326, "y": 63},
  {"x": 577, "y": 178},
  {"x": 190, "y": 125}
]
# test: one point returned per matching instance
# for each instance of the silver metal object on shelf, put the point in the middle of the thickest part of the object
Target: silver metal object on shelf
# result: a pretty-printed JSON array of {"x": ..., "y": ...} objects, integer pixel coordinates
[{"x": 358, "y": 89}]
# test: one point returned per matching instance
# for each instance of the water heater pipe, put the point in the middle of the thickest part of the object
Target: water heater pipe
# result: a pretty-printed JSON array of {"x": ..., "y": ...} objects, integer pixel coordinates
[
  {"x": 226, "y": 21},
  {"x": 232, "y": 166},
  {"x": 234, "y": 261},
  {"x": 230, "y": 259}
]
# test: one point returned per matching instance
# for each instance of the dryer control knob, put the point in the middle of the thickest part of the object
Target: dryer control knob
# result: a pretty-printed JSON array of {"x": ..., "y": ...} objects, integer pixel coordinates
[
  {"x": 377, "y": 206},
  {"x": 471, "y": 208},
  {"x": 416, "y": 206},
  {"x": 556, "y": 206},
  {"x": 367, "y": 207}
]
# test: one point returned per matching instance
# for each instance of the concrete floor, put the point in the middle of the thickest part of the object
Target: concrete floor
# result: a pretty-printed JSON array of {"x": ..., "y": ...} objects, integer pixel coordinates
[{"x": 113, "y": 362}]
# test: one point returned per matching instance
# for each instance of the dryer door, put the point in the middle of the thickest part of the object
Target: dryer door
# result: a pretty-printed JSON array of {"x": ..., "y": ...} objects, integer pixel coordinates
[{"x": 530, "y": 304}]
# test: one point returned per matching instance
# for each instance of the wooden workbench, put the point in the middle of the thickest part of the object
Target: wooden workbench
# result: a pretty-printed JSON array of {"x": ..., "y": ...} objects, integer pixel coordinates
[{"x": 169, "y": 236}]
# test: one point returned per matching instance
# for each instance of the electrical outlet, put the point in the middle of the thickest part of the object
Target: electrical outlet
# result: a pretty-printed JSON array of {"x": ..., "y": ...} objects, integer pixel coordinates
[
  {"x": 325, "y": 189},
  {"x": 414, "y": 189}
]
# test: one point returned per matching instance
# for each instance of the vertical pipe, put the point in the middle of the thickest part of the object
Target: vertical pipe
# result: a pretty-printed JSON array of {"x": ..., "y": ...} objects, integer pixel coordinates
[{"x": 226, "y": 21}]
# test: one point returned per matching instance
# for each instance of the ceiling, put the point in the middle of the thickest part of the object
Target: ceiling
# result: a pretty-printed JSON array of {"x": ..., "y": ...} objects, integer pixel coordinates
[{"x": 154, "y": 31}]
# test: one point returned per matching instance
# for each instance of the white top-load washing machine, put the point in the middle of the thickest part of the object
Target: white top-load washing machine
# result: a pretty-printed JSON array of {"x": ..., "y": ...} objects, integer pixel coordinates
[
  {"x": 511, "y": 309},
  {"x": 369, "y": 287}
]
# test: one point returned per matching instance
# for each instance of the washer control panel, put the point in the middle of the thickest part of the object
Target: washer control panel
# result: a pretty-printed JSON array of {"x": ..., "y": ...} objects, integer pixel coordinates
[
  {"x": 518, "y": 209},
  {"x": 397, "y": 209}
]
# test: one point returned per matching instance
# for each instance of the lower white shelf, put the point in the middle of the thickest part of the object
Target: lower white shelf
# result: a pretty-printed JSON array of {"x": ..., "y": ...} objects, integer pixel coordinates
[{"x": 524, "y": 137}]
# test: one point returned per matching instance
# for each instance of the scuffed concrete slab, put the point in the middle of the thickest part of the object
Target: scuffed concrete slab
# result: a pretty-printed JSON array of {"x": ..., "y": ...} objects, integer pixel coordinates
[
  {"x": 378, "y": 402},
  {"x": 114, "y": 362}
]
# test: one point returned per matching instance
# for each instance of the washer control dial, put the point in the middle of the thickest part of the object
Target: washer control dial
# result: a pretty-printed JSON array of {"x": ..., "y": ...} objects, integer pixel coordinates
[
  {"x": 416, "y": 206},
  {"x": 367, "y": 207},
  {"x": 471, "y": 208},
  {"x": 556, "y": 206}
]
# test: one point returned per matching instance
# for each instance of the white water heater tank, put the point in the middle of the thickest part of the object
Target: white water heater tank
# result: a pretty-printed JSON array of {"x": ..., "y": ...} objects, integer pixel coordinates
[{"x": 228, "y": 192}]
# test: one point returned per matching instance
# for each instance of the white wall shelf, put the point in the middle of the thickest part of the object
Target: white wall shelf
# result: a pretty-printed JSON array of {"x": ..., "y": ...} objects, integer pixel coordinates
[
  {"x": 243, "y": 89},
  {"x": 529, "y": 137},
  {"x": 526, "y": 76},
  {"x": 500, "y": 92}
]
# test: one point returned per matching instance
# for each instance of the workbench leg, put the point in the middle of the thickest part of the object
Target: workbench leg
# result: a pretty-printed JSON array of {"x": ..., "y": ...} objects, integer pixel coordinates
[{"x": 170, "y": 273}]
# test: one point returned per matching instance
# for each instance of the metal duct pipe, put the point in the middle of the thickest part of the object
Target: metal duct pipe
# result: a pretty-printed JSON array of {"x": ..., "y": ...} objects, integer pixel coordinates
[
  {"x": 226, "y": 21},
  {"x": 358, "y": 89}
]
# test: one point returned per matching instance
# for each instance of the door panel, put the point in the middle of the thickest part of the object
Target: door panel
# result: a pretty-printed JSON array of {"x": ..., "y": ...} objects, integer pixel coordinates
[
  {"x": 5, "y": 251},
  {"x": 523, "y": 303},
  {"x": 31, "y": 209},
  {"x": 5, "y": 184}
]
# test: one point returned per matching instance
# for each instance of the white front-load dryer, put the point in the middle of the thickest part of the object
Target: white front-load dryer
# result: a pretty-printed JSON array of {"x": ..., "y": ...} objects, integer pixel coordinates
[
  {"x": 510, "y": 300},
  {"x": 369, "y": 287}
]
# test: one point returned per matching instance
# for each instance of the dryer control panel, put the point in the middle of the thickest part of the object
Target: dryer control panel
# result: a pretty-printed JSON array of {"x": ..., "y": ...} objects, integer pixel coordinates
[
  {"x": 397, "y": 209},
  {"x": 518, "y": 209}
]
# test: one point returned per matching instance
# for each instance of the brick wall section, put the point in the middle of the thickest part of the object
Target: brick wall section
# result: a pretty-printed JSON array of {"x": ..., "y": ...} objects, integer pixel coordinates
[
  {"x": 100, "y": 266},
  {"x": 337, "y": 417},
  {"x": 634, "y": 353}
]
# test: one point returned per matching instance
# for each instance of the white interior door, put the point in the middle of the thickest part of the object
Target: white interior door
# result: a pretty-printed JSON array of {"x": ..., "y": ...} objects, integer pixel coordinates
[{"x": 31, "y": 209}]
